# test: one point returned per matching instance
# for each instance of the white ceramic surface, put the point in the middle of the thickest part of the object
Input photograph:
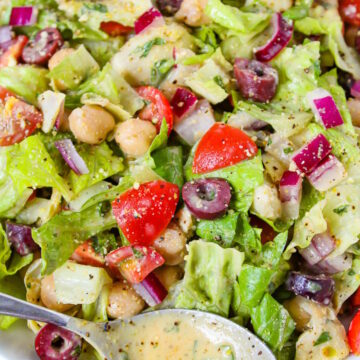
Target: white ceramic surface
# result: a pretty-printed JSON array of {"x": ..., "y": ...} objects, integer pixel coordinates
[{"x": 18, "y": 344}]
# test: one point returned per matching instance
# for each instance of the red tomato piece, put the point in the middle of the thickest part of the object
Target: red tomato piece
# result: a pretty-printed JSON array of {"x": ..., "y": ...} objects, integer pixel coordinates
[
  {"x": 12, "y": 52},
  {"x": 222, "y": 146},
  {"x": 267, "y": 233},
  {"x": 86, "y": 255},
  {"x": 158, "y": 108},
  {"x": 18, "y": 120},
  {"x": 4, "y": 94},
  {"x": 350, "y": 11},
  {"x": 354, "y": 334},
  {"x": 144, "y": 213},
  {"x": 114, "y": 28},
  {"x": 134, "y": 263}
]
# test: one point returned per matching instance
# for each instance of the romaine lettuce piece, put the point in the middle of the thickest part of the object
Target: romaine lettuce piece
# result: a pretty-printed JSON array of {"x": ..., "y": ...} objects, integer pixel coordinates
[
  {"x": 272, "y": 251},
  {"x": 272, "y": 323},
  {"x": 306, "y": 228},
  {"x": 74, "y": 69},
  {"x": 221, "y": 231},
  {"x": 60, "y": 236},
  {"x": 244, "y": 177},
  {"x": 97, "y": 310},
  {"x": 30, "y": 165},
  {"x": 20, "y": 80},
  {"x": 101, "y": 162},
  {"x": 79, "y": 284},
  {"x": 210, "y": 275}
]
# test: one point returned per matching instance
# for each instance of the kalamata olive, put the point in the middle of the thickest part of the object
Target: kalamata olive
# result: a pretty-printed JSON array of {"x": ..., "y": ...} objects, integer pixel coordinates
[
  {"x": 55, "y": 343},
  {"x": 168, "y": 7},
  {"x": 21, "y": 239},
  {"x": 256, "y": 81},
  {"x": 207, "y": 198},
  {"x": 346, "y": 81},
  {"x": 317, "y": 288},
  {"x": 43, "y": 47}
]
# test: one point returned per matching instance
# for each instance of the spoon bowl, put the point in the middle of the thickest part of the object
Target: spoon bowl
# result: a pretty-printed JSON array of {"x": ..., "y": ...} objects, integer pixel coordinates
[{"x": 152, "y": 334}]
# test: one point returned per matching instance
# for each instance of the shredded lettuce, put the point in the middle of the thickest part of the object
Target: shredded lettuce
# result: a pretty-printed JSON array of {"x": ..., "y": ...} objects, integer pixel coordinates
[
  {"x": 20, "y": 80},
  {"x": 210, "y": 275},
  {"x": 60, "y": 236}
]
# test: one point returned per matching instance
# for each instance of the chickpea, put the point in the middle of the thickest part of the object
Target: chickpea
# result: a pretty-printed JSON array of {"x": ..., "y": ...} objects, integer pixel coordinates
[
  {"x": 48, "y": 295},
  {"x": 192, "y": 12},
  {"x": 185, "y": 220},
  {"x": 134, "y": 136},
  {"x": 55, "y": 60},
  {"x": 354, "y": 108},
  {"x": 172, "y": 245},
  {"x": 124, "y": 302},
  {"x": 91, "y": 124},
  {"x": 169, "y": 275}
]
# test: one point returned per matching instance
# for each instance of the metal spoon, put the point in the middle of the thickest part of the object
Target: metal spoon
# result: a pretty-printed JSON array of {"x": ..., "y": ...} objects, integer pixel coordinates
[{"x": 108, "y": 338}]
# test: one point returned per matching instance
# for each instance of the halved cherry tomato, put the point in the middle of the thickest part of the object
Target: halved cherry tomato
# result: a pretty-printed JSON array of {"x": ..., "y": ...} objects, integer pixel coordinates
[
  {"x": 267, "y": 233},
  {"x": 354, "y": 334},
  {"x": 86, "y": 255},
  {"x": 114, "y": 28},
  {"x": 13, "y": 50},
  {"x": 222, "y": 146},
  {"x": 4, "y": 94},
  {"x": 144, "y": 213},
  {"x": 350, "y": 11},
  {"x": 18, "y": 120},
  {"x": 134, "y": 263},
  {"x": 158, "y": 109}
]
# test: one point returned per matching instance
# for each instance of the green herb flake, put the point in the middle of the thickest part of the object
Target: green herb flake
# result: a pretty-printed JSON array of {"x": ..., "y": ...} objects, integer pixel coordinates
[
  {"x": 145, "y": 49},
  {"x": 288, "y": 150},
  {"x": 160, "y": 70},
  {"x": 96, "y": 7},
  {"x": 324, "y": 337},
  {"x": 342, "y": 209},
  {"x": 138, "y": 254},
  {"x": 219, "y": 81}
]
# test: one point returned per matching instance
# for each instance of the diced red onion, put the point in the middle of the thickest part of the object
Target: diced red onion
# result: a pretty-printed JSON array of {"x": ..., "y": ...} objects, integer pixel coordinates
[
  {"x": 21, "y": 239},
  {"x": 5, "y": 34},
  {"x": 194, "y": 126},
  {"x": 151, "y": 290},
  {"x": 334, "y": 265},
  {"x": 282, "y": 34},
  {"x": 183, "y": 103},
  {"x": 355, "y": 89},
  {"x": 317, "y": 288},
  {"x": 152, "y": 17},
  {"x": 327, "y": 174},
  {"x": 71, "y": 156},
  {"x": 321, "y": 246},
  {"x": 23, "y": 16},
  {"x": 324, "y": 108},
  {"x": 310, "y": 155},
  {"x": 290, "y": 190}
]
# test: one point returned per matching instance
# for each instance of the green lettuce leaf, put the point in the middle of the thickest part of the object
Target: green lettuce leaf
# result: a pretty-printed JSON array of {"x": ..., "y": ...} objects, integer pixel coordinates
[
  {"x": 271, "y": 254},
  {"x": 210, "y": 275},
  {"x": 101, "y": 162},
  {"x": 244, "y": 177},
  {"x": 30, "y": 165},
  {"x": 20, "y": 80},
  {"x": 272, "y": 323},
  {"x": 97, "y": 311},
  {"x": 60, "y": 236}
]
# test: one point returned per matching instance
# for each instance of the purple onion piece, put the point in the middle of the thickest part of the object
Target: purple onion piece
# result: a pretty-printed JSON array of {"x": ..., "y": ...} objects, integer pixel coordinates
[
  {"x": 317, "y": 288},
  {"x": 23, "y": 16},
  {"x": 71, "y": 156},
  {"x": 207, "y": 198},
  {"x": 321, "y": 246},
  {"x": 151, "y": 290},
  {"x": 310, "y": 155},
  {"x": 327, "y": 174},
  {"x": 324, "y": 108},
  {"x": 151, "y": 17},
  {"x": 183, "y": 103},
  {"x": 5, "y": 34},
  {"x": 290, "y": 190},
  {"x": 282, "y": 34},
  {"x": 355, "y": 89},
  {"x": 334, "y": 265},
  {"x": 21, "y": 239}
]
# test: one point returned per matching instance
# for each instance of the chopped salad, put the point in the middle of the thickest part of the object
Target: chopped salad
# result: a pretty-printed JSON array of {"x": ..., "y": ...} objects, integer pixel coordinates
[{"x": 197, "y": 154}]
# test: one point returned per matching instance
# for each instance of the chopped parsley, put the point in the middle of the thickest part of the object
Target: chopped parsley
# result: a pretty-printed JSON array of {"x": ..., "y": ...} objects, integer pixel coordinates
[
  {"x": 342, "y": 209},
  {"x": 288, "y": 150},
  {"x": 324, "y": 337},
  {"x": 104, "y": 243},
  {"x": 219, "y": 81},
  {"x": 160, "y": 69},
  {"x": 96, "y": 7},
  {"x": 138, "y": 254},
  {"x": 146, "y": 48}
]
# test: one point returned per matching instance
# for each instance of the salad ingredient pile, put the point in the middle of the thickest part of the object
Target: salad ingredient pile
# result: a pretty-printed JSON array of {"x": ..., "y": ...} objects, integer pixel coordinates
[{"x": 196, "y": 154}]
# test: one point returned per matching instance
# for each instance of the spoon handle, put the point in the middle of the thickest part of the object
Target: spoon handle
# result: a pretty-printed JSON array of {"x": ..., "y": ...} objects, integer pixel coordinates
[{"x": 24, "y": 310}]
